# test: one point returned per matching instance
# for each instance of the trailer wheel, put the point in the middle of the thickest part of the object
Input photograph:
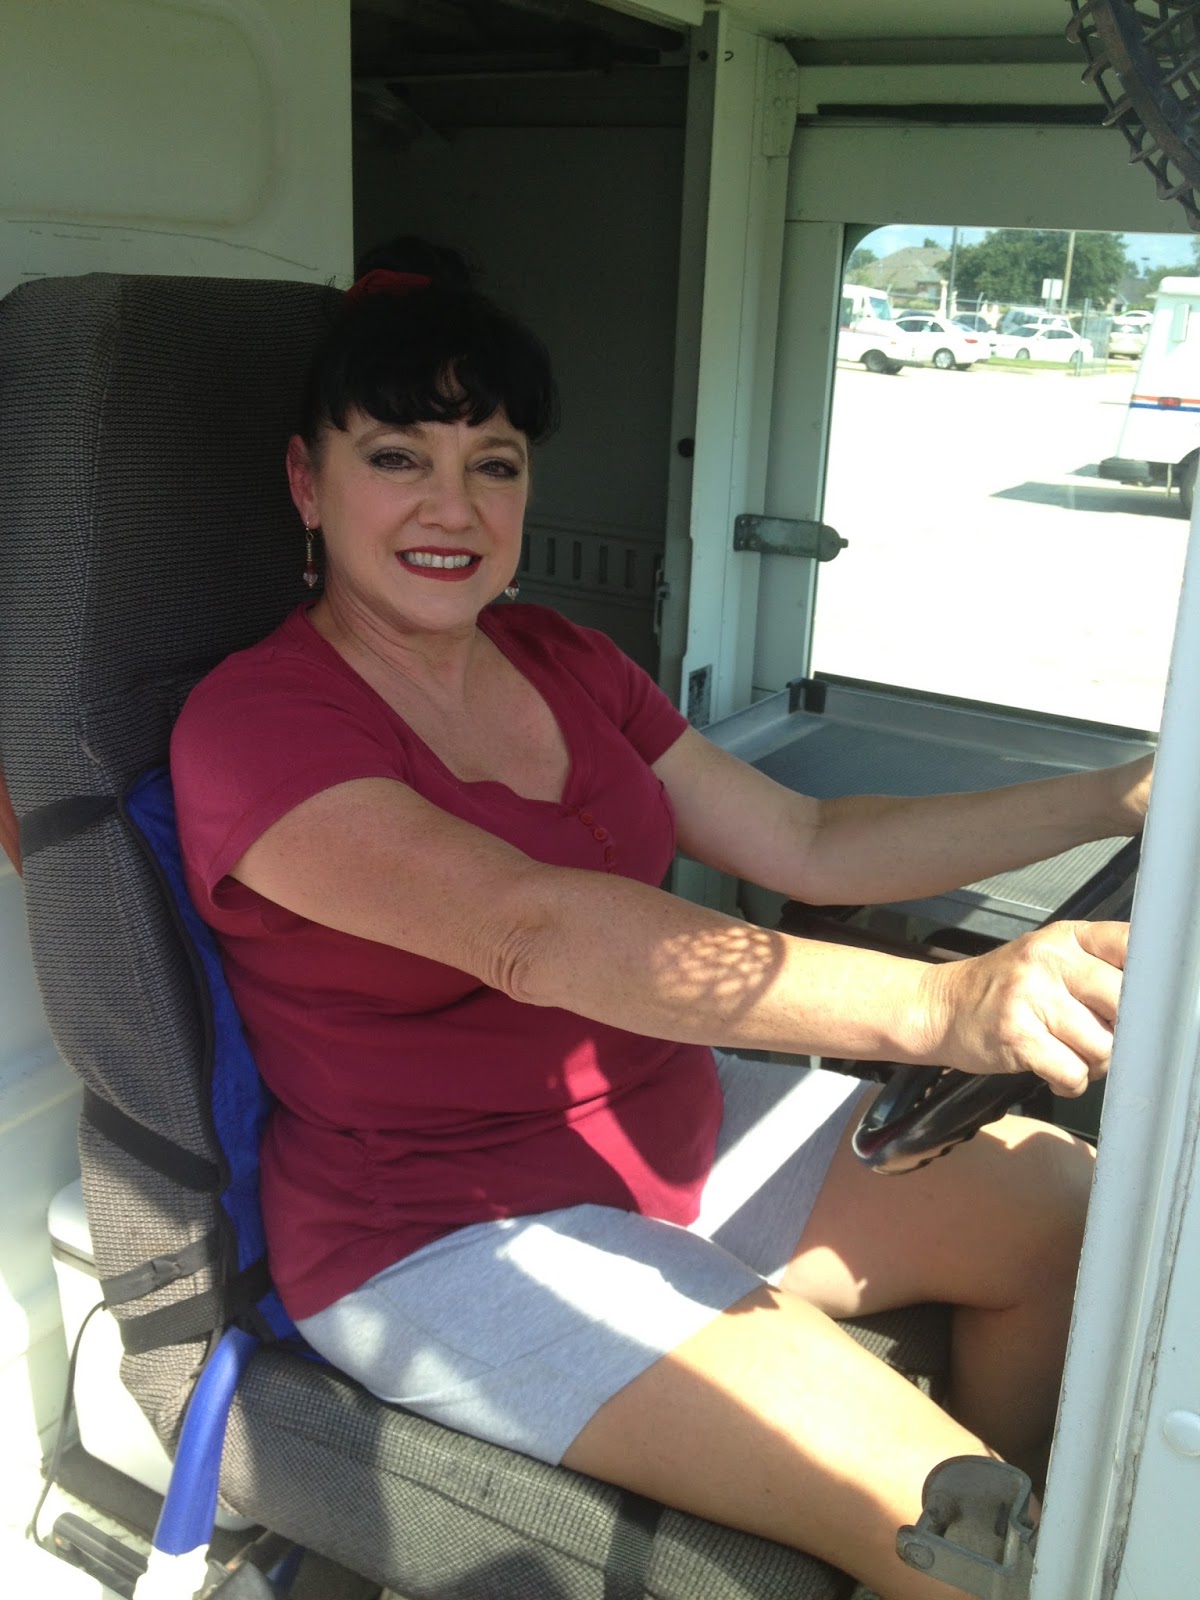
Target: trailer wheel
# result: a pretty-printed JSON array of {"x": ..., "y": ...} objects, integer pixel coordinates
[
  {"x": 876, "y": 361},
  {"x": 1186, "y": 478}
]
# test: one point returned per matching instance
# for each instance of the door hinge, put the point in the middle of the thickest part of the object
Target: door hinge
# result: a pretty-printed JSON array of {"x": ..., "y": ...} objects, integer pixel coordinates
[
  {"x": 974, "y": 1532},
  {"x": 662, "y": 593}
]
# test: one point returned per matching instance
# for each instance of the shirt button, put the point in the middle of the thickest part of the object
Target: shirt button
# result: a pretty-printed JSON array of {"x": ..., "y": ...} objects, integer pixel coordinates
[
  {"x": 586, "y": 818},
  {"x": 609, "y": 853},
  {"x": 600, "y": 833}
]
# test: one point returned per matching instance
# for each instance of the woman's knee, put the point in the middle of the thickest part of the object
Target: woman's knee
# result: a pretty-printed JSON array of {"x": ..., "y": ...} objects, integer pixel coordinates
[
  {"x": 979, "y": 1227},
  {"x": 1047, "y": 1181}
]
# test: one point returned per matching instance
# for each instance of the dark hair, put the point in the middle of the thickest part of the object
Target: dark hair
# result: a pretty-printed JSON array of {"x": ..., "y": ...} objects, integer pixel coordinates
[{"x": 444, "y": 353}]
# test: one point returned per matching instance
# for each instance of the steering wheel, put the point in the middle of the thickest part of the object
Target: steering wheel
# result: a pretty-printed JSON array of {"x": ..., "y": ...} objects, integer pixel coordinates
[{"x": 923, "y": 1112}]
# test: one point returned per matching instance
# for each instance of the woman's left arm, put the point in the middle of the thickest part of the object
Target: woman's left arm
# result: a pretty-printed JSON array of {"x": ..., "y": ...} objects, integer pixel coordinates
[{"x": 871, "y": 849}]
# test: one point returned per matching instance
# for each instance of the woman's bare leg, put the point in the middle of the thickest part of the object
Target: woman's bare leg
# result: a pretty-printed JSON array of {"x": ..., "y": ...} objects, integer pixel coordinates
[
  {"x": 772, "y": 1419},
  {"x": 994, "y": 1229}
]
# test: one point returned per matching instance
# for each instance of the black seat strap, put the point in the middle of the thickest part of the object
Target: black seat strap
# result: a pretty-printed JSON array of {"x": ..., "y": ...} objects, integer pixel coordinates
[
  {"x": 157, "y": 1273},
  {"x": 156, "y": 1151},
  {"x": 198, "y": 1315},
  {"x": 62, "y": 819},
  {"x": 629, "y": 1551},
  {"x": 180, "y": 1323}
]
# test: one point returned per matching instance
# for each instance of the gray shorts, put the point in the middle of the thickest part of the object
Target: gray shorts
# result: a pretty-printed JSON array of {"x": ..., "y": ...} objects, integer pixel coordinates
[{"x": 517, "y": 1331}]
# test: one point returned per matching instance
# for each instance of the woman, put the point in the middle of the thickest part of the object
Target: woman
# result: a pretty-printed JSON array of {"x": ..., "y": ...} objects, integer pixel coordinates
[{"x": 507, "y": 1184}]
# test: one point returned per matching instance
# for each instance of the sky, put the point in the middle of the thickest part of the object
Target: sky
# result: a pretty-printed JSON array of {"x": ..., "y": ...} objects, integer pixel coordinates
[{"x": 1158, "y": 249}]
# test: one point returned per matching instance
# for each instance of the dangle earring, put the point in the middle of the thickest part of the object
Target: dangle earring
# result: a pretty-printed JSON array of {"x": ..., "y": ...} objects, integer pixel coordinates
[
  {"x": 513, "y": 590},
  {"x": 311, "y": 575}
]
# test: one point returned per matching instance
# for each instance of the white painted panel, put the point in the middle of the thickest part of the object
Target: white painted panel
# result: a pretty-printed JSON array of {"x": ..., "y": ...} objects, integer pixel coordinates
[
  {"x": 175, "y": 136},
  {"x": 812, "y": 266},
  {"x": 1044, "y": 177},
  {"x": 1162, "y": 1551},
  {"x": 39, "y": 1100},
  {"x": 1132, "y": 1356},
  {"x": 752, "y": 125},
  {"x": 181, "y": 129}
]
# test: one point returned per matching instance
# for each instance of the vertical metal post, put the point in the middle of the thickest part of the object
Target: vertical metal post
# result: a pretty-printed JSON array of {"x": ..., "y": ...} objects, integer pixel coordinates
[
  {"x": 951, "y": 308},
  {"x": 753, "y": 111},
  {"x": 799, "y": 440},
  {"x": 1136, "y": 1265}
]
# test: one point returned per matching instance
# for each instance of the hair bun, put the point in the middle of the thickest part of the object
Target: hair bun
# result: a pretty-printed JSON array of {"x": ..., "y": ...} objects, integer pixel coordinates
[{"x": 407, "y": 253}]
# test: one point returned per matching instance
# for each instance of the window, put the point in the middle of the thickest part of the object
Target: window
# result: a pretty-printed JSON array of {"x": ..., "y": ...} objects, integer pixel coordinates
[{"x": 987, "y": 557}]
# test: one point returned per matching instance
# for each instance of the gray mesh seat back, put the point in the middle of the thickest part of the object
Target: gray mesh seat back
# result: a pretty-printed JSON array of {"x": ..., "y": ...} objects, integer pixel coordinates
[{"x": 145, "y": 532}]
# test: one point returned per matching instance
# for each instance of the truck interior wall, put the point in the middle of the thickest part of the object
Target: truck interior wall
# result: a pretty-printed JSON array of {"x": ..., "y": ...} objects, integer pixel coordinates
[
  {"x": 577, "y": 230},
  {"x": 141, "y": 137}
]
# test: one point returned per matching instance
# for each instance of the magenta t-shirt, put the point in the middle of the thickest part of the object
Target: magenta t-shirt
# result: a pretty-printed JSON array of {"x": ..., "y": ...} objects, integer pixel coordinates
[{"x": 412, "y": 1099}]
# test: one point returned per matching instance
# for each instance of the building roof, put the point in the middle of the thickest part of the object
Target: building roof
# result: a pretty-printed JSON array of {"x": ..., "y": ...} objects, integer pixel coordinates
[{"x": 906, "y": 270}]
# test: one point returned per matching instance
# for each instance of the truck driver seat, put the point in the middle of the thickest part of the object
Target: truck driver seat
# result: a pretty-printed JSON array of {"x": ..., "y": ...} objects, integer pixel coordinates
[{"x": 146, "y": 532}]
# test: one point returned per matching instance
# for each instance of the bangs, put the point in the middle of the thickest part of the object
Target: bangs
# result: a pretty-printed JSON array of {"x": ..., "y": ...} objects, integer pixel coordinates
[{"x": 430, "y": 356}]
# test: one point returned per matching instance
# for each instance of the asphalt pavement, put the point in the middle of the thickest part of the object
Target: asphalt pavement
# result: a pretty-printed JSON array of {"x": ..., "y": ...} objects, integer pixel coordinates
[{"x": 986, "y": 558}]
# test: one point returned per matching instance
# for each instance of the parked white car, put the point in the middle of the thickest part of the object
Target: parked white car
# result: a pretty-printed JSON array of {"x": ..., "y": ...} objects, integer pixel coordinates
[
  {"x": 1128, "y": 337},
  {"x": 975, "y": 322},
  {"x": 867, "y": 330},
  {"x": 1060, "y": 345},
  {"x": 1021, "y": 318},
  {"x": 937, "y": 342}
]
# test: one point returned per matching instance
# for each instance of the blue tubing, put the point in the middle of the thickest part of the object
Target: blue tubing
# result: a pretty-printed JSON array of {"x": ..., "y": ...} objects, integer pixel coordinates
[
  {"x": 190, "y": 1506},
  {"x": 283, "y": 1575}
]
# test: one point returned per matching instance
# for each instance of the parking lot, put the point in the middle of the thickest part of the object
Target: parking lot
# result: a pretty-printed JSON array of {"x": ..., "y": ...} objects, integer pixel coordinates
[{"x": 986, "y": 559}]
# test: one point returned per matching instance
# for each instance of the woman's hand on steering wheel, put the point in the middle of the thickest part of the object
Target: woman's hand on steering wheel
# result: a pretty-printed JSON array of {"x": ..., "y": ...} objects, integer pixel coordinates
[{"x": 1046, "y": 1003}]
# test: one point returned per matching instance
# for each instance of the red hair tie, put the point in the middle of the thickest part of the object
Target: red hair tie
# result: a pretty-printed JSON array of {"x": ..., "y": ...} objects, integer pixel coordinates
[{"x": 382, "y": 280}]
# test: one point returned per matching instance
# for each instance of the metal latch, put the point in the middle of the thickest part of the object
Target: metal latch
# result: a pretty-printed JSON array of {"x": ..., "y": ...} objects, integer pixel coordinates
[
  {"x": 786, "y": 536},
  {"x": 662, "y": 593},
  {"x": 974, "y": 1531}
]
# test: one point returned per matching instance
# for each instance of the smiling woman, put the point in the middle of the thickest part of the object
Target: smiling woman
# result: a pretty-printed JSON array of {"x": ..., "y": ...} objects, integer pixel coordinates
[{"x": 430, "y": 833}]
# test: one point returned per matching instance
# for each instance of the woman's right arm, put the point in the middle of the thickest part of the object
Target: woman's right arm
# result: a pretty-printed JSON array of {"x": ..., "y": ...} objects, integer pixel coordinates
[{"x": 372, "y": 858}]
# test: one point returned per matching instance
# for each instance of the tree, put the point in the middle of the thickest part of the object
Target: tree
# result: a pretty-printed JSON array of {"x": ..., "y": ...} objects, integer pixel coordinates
[
  {"x": 1154, "y": 277},
  {"x": 861, "y": 258},
  {"x": 1011, "y": 264}
]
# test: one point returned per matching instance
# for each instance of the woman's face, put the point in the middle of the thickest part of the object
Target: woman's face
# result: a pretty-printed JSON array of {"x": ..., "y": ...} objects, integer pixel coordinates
[{"x": 421, "y": 525}]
